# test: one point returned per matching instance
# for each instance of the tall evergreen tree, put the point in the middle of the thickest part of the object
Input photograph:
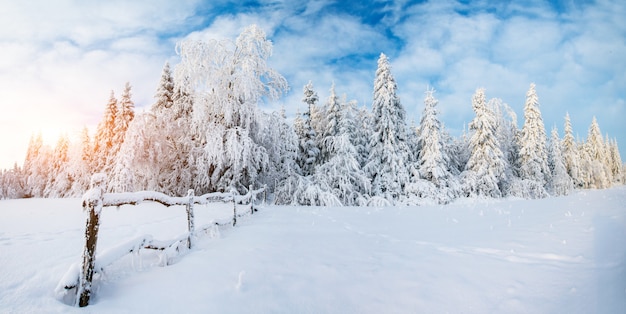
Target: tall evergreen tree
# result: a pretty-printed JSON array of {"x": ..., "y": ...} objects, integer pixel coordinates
[
  {"x": 533, "y": 155},
  {"x": 388, "y": 148},
  {"x": 165, "y": 91},
  {"x": 485, "y": 168},
  {"x": 104, "y": 144},
  {"x": 570, "y": 153},
  {"x": 560, "y": 181},
  {"x": 596, "y": 151},
  {"x": 308, "y": 151}
]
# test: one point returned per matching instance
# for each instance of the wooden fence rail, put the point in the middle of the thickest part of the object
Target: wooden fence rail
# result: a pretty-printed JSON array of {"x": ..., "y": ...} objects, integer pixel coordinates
[{"x": 81, "y": 278}]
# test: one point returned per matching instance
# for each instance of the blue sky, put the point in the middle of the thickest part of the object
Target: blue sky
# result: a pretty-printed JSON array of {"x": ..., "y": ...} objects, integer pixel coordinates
[{"x": 59, "y": 60}]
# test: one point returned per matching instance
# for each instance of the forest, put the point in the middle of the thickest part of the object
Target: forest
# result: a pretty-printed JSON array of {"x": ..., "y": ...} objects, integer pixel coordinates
[{"x": 205, "y": 131}]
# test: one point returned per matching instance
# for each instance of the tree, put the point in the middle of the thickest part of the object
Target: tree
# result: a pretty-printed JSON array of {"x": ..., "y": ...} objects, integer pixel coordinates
[
  {"x": 228, "y": 79},
  {"x": 36, "y": 167},
  {"x": 596, "y": 154},
  {"x": 308, "y": 151},
  {"x": 485, "y": 168},
  {"x": 59, "y": 179},
  {"x": 388, "y": 148},
  {"x": 533, "y": 154},
  {"x": 570, "y": 153},
  {"x": 560, "y": 181},
  {"x": 104, "y": 140},
  {"x": 433, "y": 164},
  {"x": 165, "y": 91},
  {"x": 616, "y": 163}
]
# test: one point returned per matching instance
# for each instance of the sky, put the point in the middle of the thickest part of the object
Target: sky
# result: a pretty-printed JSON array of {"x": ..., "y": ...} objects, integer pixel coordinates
[{"x": 59, "y": 60}]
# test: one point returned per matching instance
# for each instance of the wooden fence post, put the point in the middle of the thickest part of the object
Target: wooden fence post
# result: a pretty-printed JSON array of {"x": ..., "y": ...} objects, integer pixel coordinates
[
  {"x": 251, "y": 200},
  {"x": 232, "y": 193},
  {"x": 190, "y": 217},
  {"x": 92, "y": 203}
]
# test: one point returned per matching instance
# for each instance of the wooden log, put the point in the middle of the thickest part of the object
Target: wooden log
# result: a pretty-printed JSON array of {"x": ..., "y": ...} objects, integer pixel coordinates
[
  {"x": 190, "y": 217},
  {"x": 92, "y": 203}
]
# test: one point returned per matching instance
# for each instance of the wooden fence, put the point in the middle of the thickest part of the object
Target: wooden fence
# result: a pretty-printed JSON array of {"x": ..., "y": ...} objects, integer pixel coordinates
[{"x": 79, "y": 279}]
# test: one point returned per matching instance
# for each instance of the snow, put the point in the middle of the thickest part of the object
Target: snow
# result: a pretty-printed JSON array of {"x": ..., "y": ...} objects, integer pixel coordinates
[{"x": 552, "y": 255}]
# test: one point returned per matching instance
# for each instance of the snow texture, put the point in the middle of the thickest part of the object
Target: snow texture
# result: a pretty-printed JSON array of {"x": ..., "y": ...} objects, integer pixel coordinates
[{"x": 554, "y": 255}]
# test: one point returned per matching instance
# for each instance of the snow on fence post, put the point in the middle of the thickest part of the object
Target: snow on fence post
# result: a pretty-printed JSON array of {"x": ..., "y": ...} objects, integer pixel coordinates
[
  {"x": 232, "y": 193},
  {"x": 264, "y": 194},
  {"x": 251, "y": 199},
  {"x": 92, "y": 203},
  {"x": 190, "y": 217}
]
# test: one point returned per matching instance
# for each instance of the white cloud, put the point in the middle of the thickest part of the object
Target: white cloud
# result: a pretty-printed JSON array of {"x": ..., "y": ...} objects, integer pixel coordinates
[{"x": 60, "y": 59}]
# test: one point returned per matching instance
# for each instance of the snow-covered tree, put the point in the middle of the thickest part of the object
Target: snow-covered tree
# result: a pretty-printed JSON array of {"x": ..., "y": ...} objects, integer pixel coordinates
[
  {"x": 165, "y": 91},
  {"x": 308, "y": 151},
  {"x": 229, "y": 78},
  {"x": 570, "y": 153},
  {"x": 59, "y": 178},
  {"x": 485, "y": 168},
  {"x": 362, "y": 134},
  {"x": 36, "y": 166},
  {"x": 596, "y": 153},
  {"x": 125, "y": 115},
  {"x": 616, "y": 163},
  {"x": 560, "y": 182},
  {"x": 389, "y": 151},
  {"x": 433, "y": 164},
  {"x": 104, "y": 140},
  {"x": 533, "y": 155}
]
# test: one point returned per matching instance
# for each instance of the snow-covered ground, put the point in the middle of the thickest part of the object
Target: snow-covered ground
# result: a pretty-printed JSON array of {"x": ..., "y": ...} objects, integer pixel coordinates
[{"x": 555, "y": 255}]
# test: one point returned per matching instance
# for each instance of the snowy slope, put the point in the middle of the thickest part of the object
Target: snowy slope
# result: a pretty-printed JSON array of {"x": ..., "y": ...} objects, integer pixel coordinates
[{"x": 555, "y": 255}]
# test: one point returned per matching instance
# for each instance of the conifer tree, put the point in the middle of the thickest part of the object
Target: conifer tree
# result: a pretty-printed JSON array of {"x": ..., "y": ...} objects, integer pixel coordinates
[
  {"x": 560, "y": 181},
  {"x": 596, "y": 153},
  {"x": 533, "y": 156},
  {"x": 485, "y": 168},
  {"x": 388, "y": 148},
  {"x": 570, "y": 153},
  {"x": 308, "y": 149},
  {"x": 104, "y": 144}
]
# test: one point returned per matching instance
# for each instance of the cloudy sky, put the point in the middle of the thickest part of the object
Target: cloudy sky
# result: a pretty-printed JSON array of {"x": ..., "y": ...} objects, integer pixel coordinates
[{"x": 59, "y": 60}]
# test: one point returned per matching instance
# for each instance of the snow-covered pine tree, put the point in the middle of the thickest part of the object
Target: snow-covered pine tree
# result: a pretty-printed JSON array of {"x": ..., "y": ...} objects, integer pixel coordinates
[
  {"x": 331, "y": 126},
  {"x": 341, "y": 175},
  {"x": 308, "y": 152},
  {"x": 560, "y": 181},
  {"x": 80, "y": 164},
  {"x": 596, "y": 151},
  {"x": 616, "y": 163},
  {"x": 389, "y": 151},
  {"x": 59, "y": 178},
  {"x": 229, "y": 78},
  {"x": 36, "y": 166},
  {"x": 485, "y": 168},
  {"x": 362, "y": 134},
  {"x": 105, "y": 137},
  {"x": 165, "y": 91},
  {"x": 432, "y": 163},
  {"x": 533, "y": 155},
  {"x": 570, "y": 153},
  {"x": 125, "y": 115},
  {"x": 508, "y": 137}
]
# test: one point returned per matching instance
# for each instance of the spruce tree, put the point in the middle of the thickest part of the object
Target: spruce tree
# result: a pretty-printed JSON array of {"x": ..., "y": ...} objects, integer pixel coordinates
[
  {"x": 570, "y": 153},
  {"x": 389, "y": 151},
  {"x": 596, "y": 150},
  {"x": 560, "y": 181},
  {"x": 104, "y": 144},
  {"x": 533, "y": 155},
  {"x": 485, "y": 168}
]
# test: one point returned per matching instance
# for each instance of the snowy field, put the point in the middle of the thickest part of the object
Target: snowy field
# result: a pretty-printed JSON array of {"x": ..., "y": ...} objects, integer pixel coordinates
[{"x": 555, "y": 255}]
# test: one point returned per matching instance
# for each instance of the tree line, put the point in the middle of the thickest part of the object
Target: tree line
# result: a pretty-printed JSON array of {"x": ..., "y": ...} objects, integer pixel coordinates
[{"x": 205, "y": 131}]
